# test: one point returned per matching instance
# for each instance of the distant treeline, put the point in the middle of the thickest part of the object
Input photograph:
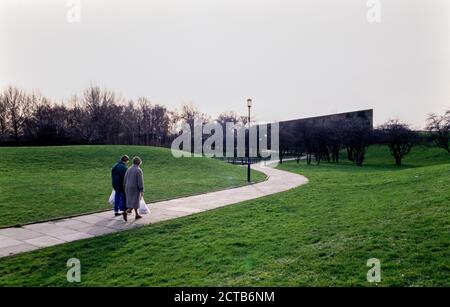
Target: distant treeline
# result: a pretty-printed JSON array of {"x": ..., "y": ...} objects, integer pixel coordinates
[
  {"x": 99, "y": 116},
  {"x": 102, "y": 117}
]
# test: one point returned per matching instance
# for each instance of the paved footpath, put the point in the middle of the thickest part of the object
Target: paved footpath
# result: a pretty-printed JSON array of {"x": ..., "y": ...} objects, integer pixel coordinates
[{"x": 34, "y": 236}]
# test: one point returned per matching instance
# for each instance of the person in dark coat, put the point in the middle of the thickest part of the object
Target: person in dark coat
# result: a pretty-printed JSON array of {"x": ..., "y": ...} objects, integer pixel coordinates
[{"x": 118, "y": 176}]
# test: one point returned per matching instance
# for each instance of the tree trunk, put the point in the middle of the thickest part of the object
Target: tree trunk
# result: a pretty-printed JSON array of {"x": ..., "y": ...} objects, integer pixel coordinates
[
  {"x": 350, "y": 154},
  {"x": 308, "y": 159}
]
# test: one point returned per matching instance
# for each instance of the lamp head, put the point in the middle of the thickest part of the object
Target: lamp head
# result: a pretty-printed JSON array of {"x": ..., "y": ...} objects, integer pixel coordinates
[{"x": 249, "y": 102}]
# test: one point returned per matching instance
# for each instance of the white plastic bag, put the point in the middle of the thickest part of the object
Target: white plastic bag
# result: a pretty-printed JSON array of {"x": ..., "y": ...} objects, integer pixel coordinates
[
  {"x": 143, "y": 208},
  {"x": 112, "y": 197}
]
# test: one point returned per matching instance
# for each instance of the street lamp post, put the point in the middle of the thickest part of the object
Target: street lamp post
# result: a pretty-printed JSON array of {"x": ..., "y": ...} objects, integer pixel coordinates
[{"x": 249, "y": 105}]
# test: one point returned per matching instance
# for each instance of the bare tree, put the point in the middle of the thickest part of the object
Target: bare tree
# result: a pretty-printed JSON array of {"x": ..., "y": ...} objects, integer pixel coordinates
[
  {"x": 99, "y": 105},
  {"x": 154, "y": 122},
  {"x": 18, "y": 108},
  {"x": 303, "y": 139},
  {"x": 130, "y": 124},
  {"x": 190, "y": 112},
  {"x": 161, "y": 125},
  {"x": 357, "y": 137},
  {"x": 3, "y": 118},
  {"x": 321, "y": 141},
  {"x": 48, "y": 124},
  {"x": 228, "y": 117},
  {"x": 79, "y": 124},
  {"x": 399, "y": 138},
  {"x": 286, "y": 144},
  {"x": 335, "y": 139},
  {"x": 439, "y": 126},
  {"x": 97, "y": 117}
]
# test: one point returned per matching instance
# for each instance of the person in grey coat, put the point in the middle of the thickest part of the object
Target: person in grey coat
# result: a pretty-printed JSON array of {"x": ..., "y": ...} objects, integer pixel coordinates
[{"x": 134, "y": 187}]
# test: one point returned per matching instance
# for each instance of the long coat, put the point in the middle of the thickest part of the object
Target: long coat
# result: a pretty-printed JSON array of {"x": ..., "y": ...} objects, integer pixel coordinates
[{"x": 134, "y": 185}]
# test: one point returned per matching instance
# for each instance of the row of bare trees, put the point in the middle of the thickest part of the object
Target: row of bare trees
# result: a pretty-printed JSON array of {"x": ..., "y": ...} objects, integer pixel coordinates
[
  {"x": 325, "y": 143},
  {"x": 99, "y": 116}
]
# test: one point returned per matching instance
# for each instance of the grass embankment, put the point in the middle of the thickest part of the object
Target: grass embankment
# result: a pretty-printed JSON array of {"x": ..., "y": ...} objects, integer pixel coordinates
[
  {"x": 321, "y": 234},
  {"x": 41, "y": 183}
]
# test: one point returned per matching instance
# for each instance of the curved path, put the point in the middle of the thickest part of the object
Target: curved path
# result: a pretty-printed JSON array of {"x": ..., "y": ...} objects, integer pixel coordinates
[{"x": 34, "y": 236}]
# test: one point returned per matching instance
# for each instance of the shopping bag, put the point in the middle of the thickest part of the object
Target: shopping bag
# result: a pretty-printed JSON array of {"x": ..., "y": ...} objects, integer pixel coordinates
[
  {"x": 112, "y": 197},
  {"x": 143, "y": 208}
]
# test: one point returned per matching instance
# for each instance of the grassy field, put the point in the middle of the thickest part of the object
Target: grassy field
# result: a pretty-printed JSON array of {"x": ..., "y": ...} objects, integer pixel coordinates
[
  {"x": 40, "y": 183},
  {"x": 321, "y": 234}
]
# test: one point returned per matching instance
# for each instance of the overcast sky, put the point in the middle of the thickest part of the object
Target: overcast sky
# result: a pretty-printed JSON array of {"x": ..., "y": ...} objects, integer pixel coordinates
[{"x": 294, "y": 58}]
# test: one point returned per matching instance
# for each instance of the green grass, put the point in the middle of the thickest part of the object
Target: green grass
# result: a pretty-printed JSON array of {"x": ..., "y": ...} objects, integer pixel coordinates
[
  {"x": 320, "y": 234},
  {"x": 40, "y": 183}
]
